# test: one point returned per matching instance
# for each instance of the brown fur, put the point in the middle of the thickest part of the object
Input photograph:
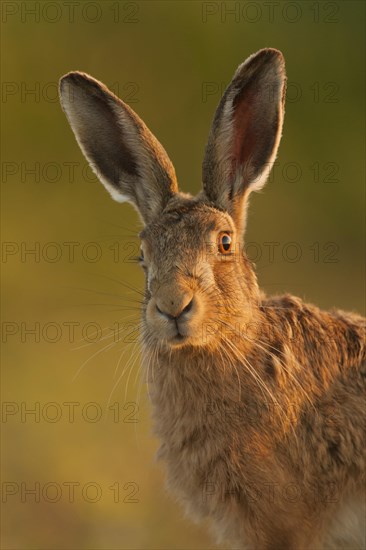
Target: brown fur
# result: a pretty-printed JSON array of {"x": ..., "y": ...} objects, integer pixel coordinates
[{"x": 258, "y": 402}]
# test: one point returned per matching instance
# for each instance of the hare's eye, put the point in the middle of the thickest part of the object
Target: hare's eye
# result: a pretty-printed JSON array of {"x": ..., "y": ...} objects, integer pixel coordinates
[
  {"x": 225, "y": 243},
  {"x": 141, "y": 257}
]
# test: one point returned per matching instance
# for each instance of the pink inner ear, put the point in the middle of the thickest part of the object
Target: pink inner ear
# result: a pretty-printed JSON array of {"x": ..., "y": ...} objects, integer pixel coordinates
[
  {"x": 255, "y": 126},
  {"x": 245, "y": 139}
]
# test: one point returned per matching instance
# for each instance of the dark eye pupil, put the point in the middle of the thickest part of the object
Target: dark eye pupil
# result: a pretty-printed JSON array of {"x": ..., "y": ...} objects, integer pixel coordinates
[
  {"x": 141, "y": 254},
  {"x": 226, "y": 242}
]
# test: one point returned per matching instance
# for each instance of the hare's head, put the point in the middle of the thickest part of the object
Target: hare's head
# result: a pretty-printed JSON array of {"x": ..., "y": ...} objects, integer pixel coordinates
[{"x": 197, "y": 276}]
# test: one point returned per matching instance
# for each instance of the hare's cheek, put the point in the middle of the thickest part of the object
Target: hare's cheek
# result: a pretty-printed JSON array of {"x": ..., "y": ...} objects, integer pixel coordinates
[
  {"x": 150, "y": 313},
  {"x": 151, "y": 281}
]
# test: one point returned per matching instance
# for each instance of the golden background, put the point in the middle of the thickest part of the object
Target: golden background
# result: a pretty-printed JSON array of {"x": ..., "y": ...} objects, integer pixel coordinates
[{"x": 170, "y": 61}]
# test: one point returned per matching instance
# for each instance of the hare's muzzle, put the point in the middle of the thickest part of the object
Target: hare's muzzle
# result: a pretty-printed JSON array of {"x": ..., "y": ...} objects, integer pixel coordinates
[{"x": 172, "y": 315}]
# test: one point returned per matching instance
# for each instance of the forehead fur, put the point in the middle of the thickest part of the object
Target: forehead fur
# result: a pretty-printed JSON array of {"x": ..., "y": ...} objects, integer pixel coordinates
[{"x": 186, "y": 214}]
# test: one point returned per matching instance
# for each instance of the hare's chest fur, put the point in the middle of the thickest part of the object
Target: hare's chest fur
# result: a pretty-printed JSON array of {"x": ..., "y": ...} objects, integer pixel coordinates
[{"x": 209, "y": 448}]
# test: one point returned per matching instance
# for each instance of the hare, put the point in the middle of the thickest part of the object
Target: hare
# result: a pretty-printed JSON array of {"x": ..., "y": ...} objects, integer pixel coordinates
[{"x": 258, "y": 401}]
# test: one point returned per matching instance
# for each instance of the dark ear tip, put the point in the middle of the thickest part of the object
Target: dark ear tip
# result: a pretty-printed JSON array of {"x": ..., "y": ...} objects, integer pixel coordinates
[
  {"x": 272, "y": 53},
  {"x": 266, "y": 63},
  {"x": 269, "y": 57},
  {"x": 71, "y": 78},
  {"x": 76, "y": 78}
]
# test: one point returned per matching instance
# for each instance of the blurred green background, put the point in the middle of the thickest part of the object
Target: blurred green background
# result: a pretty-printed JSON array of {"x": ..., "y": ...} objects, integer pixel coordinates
[{"x": 170, "y": 61}]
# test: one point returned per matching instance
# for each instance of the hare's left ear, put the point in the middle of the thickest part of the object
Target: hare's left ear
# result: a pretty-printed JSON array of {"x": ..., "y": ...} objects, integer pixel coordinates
[
  {"x": 245, "y": 133},
  {"x": 122, "y": 151}
]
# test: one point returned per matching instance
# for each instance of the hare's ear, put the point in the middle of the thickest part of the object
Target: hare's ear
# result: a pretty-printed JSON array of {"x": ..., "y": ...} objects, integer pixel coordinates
[
  {"x": 245, "y": 133},
  {"x": 121, "y": 150}
]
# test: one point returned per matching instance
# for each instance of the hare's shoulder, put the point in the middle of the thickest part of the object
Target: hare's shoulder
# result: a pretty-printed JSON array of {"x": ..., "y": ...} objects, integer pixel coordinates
[{"x": 335, "y": 336}]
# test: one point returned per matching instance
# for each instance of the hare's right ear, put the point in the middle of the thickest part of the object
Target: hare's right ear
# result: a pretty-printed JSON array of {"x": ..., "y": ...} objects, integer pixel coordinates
[
  {"x": 121, "y": 150},
  {"x": 245, "y": 133}
]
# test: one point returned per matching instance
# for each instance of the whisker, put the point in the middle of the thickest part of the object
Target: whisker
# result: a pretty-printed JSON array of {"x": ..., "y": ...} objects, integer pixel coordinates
[
  {"x": 119, "y": 296},
  {"x": 108, "y": 346},
  {"x": 122, "y": 283}
]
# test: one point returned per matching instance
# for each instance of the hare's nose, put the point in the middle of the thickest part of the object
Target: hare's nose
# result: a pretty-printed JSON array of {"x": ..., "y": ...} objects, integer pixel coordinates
[{"x": 174, "y": 309}]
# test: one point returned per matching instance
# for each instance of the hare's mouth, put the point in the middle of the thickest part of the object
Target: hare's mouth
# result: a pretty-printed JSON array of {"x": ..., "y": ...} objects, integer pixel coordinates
[
  {"x": 179, "y": 339},
  {"x": 191, "y": 338}
]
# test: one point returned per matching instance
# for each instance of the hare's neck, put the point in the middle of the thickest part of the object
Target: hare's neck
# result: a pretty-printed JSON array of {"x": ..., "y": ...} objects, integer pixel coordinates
[
  {"x": 190, "y": 392},
  {"x": 184, "y": 380}
]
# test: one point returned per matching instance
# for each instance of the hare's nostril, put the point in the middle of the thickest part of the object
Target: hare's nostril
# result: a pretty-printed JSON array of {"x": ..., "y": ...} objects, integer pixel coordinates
[
  {"x": 187, "y": 308},
  {"x": 164, "y": 313},
  {"x": 176, "y": 315},
  {"x": 161, "y": 312}
]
